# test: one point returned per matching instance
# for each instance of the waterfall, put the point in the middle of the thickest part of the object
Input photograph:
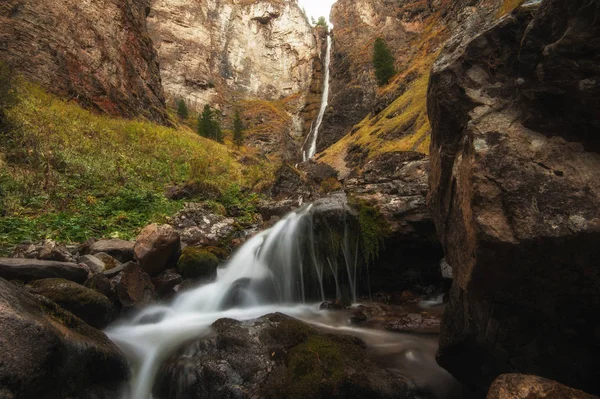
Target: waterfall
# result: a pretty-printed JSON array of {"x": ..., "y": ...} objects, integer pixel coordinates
[
  {"x": 305, "y": 257},
  {"x": 314, "y": 134}
]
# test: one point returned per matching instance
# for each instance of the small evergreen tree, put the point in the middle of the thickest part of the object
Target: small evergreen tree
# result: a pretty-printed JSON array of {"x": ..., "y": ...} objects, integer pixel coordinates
[
  {"x": 322, "y": 22},
  {"x": 238, "y": 129},
  {"x": 205, "y": 122},
  {"x": 383, "y": 62},
  {"x": 209, "y": 126},
  {"x": 182, "y": 109}
]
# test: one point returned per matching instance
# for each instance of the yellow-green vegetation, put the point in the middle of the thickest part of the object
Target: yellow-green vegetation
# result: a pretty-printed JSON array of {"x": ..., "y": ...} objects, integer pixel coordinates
[
  {"x": 509, "y": 6},
  {"x": 197, "y": 263},
  {"x": 373, "y": 229},
  {"x": 69, "y": 174}
]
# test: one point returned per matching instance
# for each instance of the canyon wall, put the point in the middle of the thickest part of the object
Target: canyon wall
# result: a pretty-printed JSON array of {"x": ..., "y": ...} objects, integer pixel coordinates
[{"x": 97, "y": 53}]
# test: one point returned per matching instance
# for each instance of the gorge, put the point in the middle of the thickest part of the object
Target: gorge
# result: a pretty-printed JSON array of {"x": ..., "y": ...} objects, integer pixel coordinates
[{"x": 434, "y": 236}]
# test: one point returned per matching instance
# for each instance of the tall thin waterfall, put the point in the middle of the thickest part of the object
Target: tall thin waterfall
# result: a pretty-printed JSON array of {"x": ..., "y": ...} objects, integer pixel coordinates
[
  {"x": 303, "y": 258},
  {"x": 314, "y": 134}
]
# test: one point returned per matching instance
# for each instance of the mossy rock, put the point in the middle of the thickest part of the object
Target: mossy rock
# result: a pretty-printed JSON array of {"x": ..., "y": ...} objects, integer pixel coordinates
[
  {"x": 89, "y": 305},
  {"x": 197, "y": 263}
]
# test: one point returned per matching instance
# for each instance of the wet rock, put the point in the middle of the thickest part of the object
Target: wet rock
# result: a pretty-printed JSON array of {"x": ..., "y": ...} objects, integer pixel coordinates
[
  {"x": 289, "y": 185},
  {"x": 95, "y": 264},
  {"x": 34, "y": 269},
  {"x": 48, "y": 352},
  {"x": 357, "y": 317},
  {"x": 515, "y": 193},
  {"x": 119, "y": 249},
  {"x": 199, "y": 226},
  {"x": 133, "y": 287},
  {"x": 109, "y": 261},
  {"x": 333, "y": 305},
  {"x": 393, "y": 189},
  {"x": 520, "y": 386},
  {"x": 275, "y": 356},
  {"x": 156, "y": 247},
  {"x": 415, "y": 323},
  {"x": 166, "y": 282},
  {"x": 90, "y": 306},
  {"x": 110, "y": 273},
  {"x": 100, "y": 283},
  {"x": 197, "y": 263}
]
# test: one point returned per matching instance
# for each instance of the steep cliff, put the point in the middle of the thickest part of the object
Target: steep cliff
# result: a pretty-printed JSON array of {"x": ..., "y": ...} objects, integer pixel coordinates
[
  {"x": 213, "y": 51},
  {"x": 97, "y": 53},
  {"x": 515, "y": 194}
]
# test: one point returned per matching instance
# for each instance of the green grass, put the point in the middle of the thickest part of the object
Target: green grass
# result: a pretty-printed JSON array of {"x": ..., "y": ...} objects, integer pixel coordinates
[{"x": 69, "y": 174}]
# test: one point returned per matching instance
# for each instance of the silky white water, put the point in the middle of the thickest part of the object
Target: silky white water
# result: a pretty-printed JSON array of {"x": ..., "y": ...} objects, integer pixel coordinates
[
  {"x": 289, "y": 269},
  {"x": 314, "y": 134}
]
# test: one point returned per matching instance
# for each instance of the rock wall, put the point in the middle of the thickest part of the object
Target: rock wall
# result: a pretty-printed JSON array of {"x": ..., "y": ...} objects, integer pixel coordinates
[
  {"x": 216, "y": 51},
  {"x": 97, "y": 53},
  {"x": 515, "y": 194}
]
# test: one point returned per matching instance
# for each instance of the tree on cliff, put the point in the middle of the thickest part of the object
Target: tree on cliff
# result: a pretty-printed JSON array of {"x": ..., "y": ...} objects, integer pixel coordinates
[
  {"x": 182, "y": 109},
  {"x": 238, "y": 129},
  {"x": 383, "y": 62},
  {"x": 208, "y": 125},
  {"x": 322, "y": 22}
]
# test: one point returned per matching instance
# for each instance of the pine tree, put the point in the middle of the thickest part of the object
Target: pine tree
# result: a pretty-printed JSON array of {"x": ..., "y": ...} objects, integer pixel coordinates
[
  {"x": 182, "y": 109},
  {"x": 206, "y": 122},
  {"x": 383, "y": 62},
  {"x": 322, "y": 22},
  {"x": 238, "y": 129}
]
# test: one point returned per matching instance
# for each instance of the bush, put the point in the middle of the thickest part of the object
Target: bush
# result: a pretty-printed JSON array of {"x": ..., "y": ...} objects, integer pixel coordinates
[
  {"x": 197, "y": 263},
  {"x": 383, "y": 62}
]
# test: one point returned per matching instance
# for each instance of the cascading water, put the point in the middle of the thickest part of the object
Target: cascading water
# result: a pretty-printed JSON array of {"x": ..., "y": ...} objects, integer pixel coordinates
[
  {"x": 314, "y": 134},
  {"x": 296, "y": 261}
]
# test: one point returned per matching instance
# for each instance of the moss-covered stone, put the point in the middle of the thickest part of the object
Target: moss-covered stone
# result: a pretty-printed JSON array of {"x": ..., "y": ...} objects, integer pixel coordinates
[
  {"x": 197, "y": 263},
  {"x": 373, "y": 229},
  {"x": 89, "y": 305}
]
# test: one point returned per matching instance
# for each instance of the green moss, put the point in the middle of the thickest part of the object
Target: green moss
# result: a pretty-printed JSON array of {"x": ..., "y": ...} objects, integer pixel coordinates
[
  {"x": 373, "y": 229},
  {"x": 197, "y": 263}
]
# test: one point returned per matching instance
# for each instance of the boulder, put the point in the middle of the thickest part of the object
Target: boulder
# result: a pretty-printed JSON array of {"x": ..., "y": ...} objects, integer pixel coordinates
[
  {"x": 515, "y": 194},
  {"x": 100, "y": 283},
  {"x": 133, "y": 287},
  {"x": 289, "y": 184},
  {"x": 198, "y": 225},
  {"x": 109, "y": 261},
  {"x": 34, "y": 269},
  {"x": 95, "y": 264},
  {"x": 110, "y": 273},
  {"x": 166, "y": 282},
  {"x": 90, "y": 306},
  {"x": 276, "y": 356},
  {"x": 155, "y": 247},
  {"x": 49, "y": 353},
  {"x": 197, "y": 263},
  {"x": 119, "y": 249},
  {"x": 520, "y": 386}
]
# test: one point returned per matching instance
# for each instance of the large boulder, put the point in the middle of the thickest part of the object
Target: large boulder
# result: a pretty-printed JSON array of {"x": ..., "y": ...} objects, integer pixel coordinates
[
  {"x": 275, "y": 356},
  {"x": 119, "y": 249},
  {"x": 49, "y": 353},
  {"x": 197, "y": 263},
  {"x": 515, "y": 193},
  {"x": 34, "y": 269},
  {"x": 89, "y": 305},
  {"x": 155, "y": 247},
  {"x": 520, "y": 386},
  {"x": 133, "y": 287},
  {"x": 198, "y": 225}
]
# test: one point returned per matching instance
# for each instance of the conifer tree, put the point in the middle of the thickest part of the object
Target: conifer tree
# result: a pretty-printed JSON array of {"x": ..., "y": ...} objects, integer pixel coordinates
[
  {"x": 182, "y": 109},
  {"x": 383, "y": 62},
  {"x": 238, "y": 129},
  {"x": 205, "y": 122}
]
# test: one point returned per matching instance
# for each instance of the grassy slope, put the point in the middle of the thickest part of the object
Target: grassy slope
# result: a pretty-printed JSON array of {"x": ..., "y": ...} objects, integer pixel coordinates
[
  {"x": 70, "y": 174},
  {"x": 404, "y": 124}
]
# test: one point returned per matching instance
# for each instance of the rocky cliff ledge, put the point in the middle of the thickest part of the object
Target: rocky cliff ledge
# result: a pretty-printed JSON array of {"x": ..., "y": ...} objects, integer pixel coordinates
[
  {"x": 215, "y": 51},
  {"x": 515, "y": 194},
  {"x": 98, "y": 53}
]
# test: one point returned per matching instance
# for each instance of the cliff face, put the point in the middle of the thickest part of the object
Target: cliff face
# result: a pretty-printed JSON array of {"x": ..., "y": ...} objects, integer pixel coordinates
[
  {"x": 515, "y": 192},
  {"x": 215, "y": 51},
  {"x": 98, "y": 53}
]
